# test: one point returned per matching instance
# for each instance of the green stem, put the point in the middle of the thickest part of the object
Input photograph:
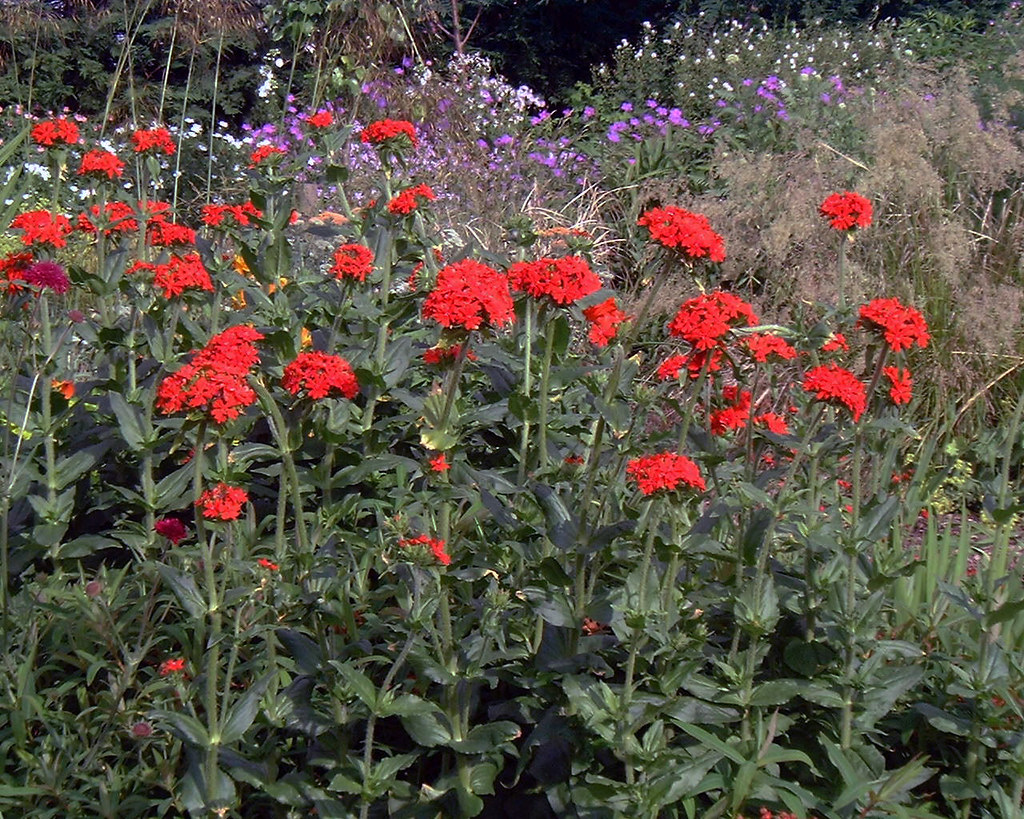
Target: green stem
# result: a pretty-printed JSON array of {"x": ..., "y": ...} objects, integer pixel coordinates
[
  {"x": 524, "y": 441},
  {"x": 280, "y": 431},
  {"x": 542, "y": 399},
  {"x": 453, "y": 383}
]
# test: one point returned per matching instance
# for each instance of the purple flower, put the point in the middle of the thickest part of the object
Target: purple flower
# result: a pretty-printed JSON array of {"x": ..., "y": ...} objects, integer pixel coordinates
[
  {"x": 772, "y": 83},
  {"x": 48, "y": 274},
  {"x": 807, "y": 70},
  {"x": 748, "y": 82},
  {"x": 652, "y": 103},
  {"x": 675, "y": 116},
  {"x": 588, "y": 112},
  {"x": 826, "y": 98},
  {"x": 626, "y": 106}
]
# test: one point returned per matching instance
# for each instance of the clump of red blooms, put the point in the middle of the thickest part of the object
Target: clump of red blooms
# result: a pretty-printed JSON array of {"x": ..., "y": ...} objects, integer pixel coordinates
[
  {"x": 215, "y": 380},
  {"x": 765, "y": 813},
  {"x": 230, "y": 215},
  {"x": 835, "y": 385},
  {"x": 113, "y": 217},
  {"x": 437, "y": 547},
  {"x": 564, "y": 281},
  {"x": 177, "y": 274},
  {"x": 733, "y": 416},
  {"x": 439, "y": 463},
  {"x": 901, "y": 326},
  {"x": 52, "y": 133},
  {"x": 846, "y": 211},
  {"x": 765, "y": 345},
  {"x": 222, "y": 502},
  {"x": 269, "y": 565},
  {"x": 666, "y": 471},
  {"x": 773, "y": 422},
  {"x": 264, "y": 153},
  {"x": 320, "y": 375},
  {"x": 901, "y": 384},
  {"x": 388, "y": 131},
  {"x": 705, "y": 320},
  {"x": 694, "y": 364},
  {"x": 155, "y": 140},
  {"x": 352, "y": 261},
  {"x": 436, "y": 356},
  {"x": 42, "y": 228},
  {"x": 164, "y": 232},
  {"x": 469, "y": 295},
  {"x": 411, "y": 198},
  {"x": 171, "y": 528},
  {"x": 605, "y": 318},
  {"x": 321, "y": 119},
  {"x": 836, "y": 341},
  {"x": 689, "y": 233},
  {"x": 12, "y": 272},
  {"x": 173, "y": 666},
  {"x": 99, "y": 162},
  {"x": 47, "y": 275}
]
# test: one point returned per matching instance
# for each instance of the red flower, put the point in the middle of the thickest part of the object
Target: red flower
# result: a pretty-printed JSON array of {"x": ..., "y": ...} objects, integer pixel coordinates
[
  {"x": 101, "y": 163},
  {"x": 270, "y": 566},
  {"x": 705, "y": 320},
  {"x": 164, "y": 233},
  {"x": 222, "y": 502},
  {"x": 667, "y": 471},
  {"x": 172, "y": 529},
  {"x": 12, "y": 272},
  {"x": 47, "y": 275},
  {"x": 735, "y": 415},
  {"x": 155, "y": 140},
  {"x": 116, "y": 217},
  {"x": 388, "y": 130},
  {"x": 836, "y": 341},
  {"x": 847, "y": 210},
  {"x": 437, "y": 547},
  {"x": 439, "y": 464},
  {"x": 321, "y": 119},
  {"x": 264, "y": 153},
  {"x": 901, "y": 326},
  {"x": 773, "y": 422},
  {"x": 835, "y": 385},
  {"x": 352, "y": 261},
  {"x": 762, "y": 345},
  {"x": 604, "y": 319},
  {"x": 564, "y": 281},
  {"x": 467, "y": 295},
  {"x": 215, "y": 380},
  {"x": 242, "y": 215},
  {"x": 410, "y": 199},
  {"x": 41, "y": 227},
  {"x": 445, "y": 355},
  {"x": 670, "y": 368},
  {"x": 901, "y": 383},
  {"x": 55, "y": 132},
  {"x": 320, "y": 374},
  {"x": 690, "y": 233},
  {"x": 175, "y": 666}
]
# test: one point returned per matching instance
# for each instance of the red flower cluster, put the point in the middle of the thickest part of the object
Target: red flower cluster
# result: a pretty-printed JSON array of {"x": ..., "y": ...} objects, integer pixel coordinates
[
  {"x": 733, "y": 416},
  {"x": 846, "y": 210},
  {"x": 705, "y": 320},
  {"x": 263, "y": 153},
  {"x": 55, "y": 132},
  {"x": 162, "y": 232},
  {"x": 214, "y": 380},
  {"x": 901, "y": 326},
  {"x": 763, "y": 345},
  {"x": 467, "y": 295},
  {"x": 773, "y": 422},
  {"x": 669, "y": 369},
  {"x": 242, "y": 215},
  {"x": 564, "y": 281},
  {"x": 178, "y": 274},
  {"x": 269, "y": 565},
  {"x": 439, "y": 463},
  {"x": 664, "y": 471},
  {"x": 443, "y": 355},
  {"x": 321, "y": 119},
  {"x": 172, "y": 529},
  {"x": 377, "y": 133},
  {"x": 98, "y": 162},
  {"x": 835, "y": 385},
  {"x": 689, "y": 233},
  {"x": 836, "y": 341},
  {"x": 410, "y": 199},
  {"x": 116, "y": 217},
  {"x": 43, "y": 228},
  {"x": 604, "y": 319},
  {"x": 222, "y": 502},
  {"x": 352, "y": 261},
  {"x": 168, "y": 667},
  {"x": 437, "y": 547},
  {"x": 155, "y": 140},
  {"x": 901, "y": 384},
  {"x": 12, "y": 272},
  {"x": 320, "y": 374}
]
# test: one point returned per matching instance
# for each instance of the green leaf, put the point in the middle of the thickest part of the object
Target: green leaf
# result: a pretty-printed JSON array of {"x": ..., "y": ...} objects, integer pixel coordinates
[
  {"x": 362, "y": 686},
  {"x": 172, "y": 489},
  {"x": 876, "y": 519},
  {"x": 184, "y": 589},
  {"x": 243, "y": 712},
  {"x": 70, "y": 469},
  {"x": 1007, "y": 611},
  {"x": 428, "y": 729},
  {"x": 306, "y": 653},
  {"x": 775, "y": 692},
  {"x": 484, "y": 738},
  {"x": 185, "y": 727},
  {"x": 709, "y": 740},
  {"x": 562, "y": 525},
  {"x": 131, "y": 422}
]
